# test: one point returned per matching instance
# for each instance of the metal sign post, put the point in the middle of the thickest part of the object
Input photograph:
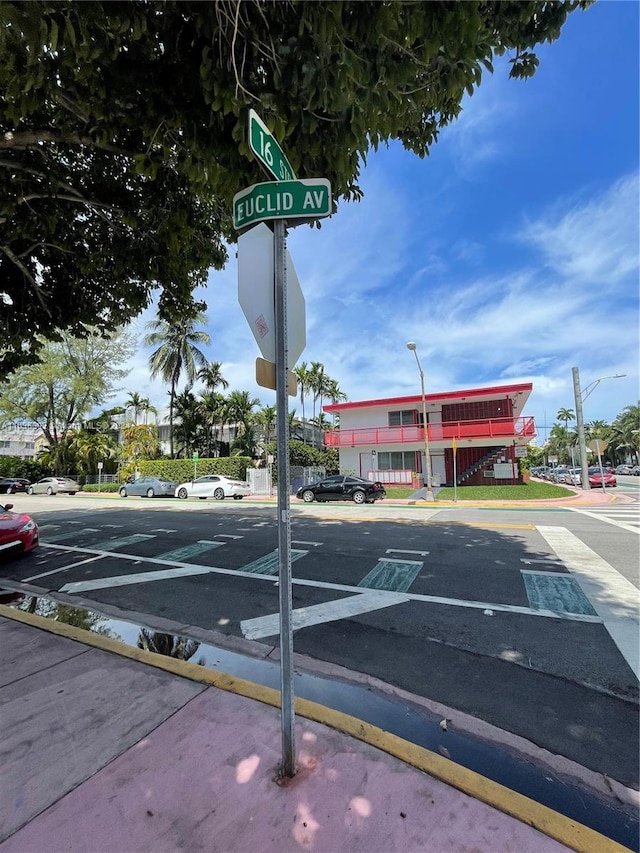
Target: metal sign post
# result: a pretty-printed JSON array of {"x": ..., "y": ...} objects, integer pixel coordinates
[
  {"x": 262, "y": 285},
  {"x": 284, "y": 522}
]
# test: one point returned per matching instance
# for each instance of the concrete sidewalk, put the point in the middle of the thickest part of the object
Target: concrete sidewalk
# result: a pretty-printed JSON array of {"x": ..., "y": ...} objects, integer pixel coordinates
[{"x": 109, "y": 749}]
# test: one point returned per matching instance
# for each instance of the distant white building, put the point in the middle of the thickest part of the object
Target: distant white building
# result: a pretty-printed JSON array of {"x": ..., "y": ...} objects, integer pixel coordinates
[{"x": 21, "y": 438}]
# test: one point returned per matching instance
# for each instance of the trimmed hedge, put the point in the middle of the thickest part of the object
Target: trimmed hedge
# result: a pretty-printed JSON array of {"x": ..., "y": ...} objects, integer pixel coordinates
[
  {"x": 104, "y": 487},
  {"x": 181, "y": 470}
]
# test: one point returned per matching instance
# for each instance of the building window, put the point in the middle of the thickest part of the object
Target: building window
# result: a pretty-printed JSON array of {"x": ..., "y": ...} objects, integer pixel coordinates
[
  {"x": 396, "y": 460},
  {"x": 5, "y": 444},
  {"x": 408, "y": 417}
]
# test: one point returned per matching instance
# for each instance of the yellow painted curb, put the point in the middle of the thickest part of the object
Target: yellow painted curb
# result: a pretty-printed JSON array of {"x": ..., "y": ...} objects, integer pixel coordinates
[{"x": 569, "y": 832}]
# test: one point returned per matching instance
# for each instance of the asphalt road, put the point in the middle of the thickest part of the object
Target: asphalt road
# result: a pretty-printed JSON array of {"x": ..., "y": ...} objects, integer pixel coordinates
[{"x": 491, "y": 611}]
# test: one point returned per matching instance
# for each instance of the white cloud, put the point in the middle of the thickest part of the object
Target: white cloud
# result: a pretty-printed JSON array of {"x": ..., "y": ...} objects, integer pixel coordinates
[{"x": 595, "y": 242}]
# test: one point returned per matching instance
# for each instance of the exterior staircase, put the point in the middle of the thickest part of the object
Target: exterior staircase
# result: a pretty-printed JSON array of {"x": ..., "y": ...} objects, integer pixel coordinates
[{"x": 487, "y": 461}]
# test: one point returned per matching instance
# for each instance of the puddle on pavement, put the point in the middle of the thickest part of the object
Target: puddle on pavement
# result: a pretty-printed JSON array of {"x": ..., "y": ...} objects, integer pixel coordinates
[{"x": 412, "y": 723}]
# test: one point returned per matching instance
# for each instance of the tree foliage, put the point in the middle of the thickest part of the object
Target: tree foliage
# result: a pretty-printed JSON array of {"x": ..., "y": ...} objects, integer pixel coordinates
[
  {"x": 74, "y": 377},
  {"x": 123, "y": 129}
]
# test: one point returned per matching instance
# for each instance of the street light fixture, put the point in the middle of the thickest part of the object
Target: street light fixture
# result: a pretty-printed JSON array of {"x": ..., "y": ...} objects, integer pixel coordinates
[
  {"x": 411, "y": 346},
  {"x": 580, "y": 397}
]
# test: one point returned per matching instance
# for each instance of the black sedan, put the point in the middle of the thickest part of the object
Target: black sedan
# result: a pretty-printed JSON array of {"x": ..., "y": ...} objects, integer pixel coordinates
[
  {"x": 342, "y": 488},
  {"x": 11, "y": 485}
]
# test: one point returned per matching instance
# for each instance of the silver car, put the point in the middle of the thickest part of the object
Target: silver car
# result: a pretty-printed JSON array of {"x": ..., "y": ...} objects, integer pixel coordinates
[
  {"x": 573, "y": 477},
  {"x": 214, "y": 486},
  {"x": 149, "y": 487},
  {"x": 54, "y": 486}
]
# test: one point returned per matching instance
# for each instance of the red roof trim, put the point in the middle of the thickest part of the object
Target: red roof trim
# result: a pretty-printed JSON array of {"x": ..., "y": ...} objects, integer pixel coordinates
[{"x": 493, "y": 391}]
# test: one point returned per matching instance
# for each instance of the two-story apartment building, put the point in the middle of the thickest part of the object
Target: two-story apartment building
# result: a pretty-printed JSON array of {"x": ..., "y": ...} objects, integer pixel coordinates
[{"x": 485, "y": 428}]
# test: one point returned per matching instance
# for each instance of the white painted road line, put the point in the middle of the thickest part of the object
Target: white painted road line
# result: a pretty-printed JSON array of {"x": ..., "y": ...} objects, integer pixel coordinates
[
  {"x": 238, "y": 573},
  {"x": 615, "y": 599},
  {"x": 301, "y": 542},
  {"x": 62, "y": 569},
  {"x": 140, "y": 577},
  {"x": 400, "y": 551},
  {"x": 607, "y": 519},
  {"x": 329, "y": 611}
]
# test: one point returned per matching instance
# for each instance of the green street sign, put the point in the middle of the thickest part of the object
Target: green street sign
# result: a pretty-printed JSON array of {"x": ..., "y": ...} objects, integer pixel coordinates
[
  {"x": 305, "y": 200},
  {"x": 195, "y": 456},
  {"x": 263, "y": 144}
]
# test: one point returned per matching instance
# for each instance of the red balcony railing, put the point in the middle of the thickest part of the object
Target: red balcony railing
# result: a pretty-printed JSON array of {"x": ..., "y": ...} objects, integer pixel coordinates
[{"x": 490, "y": 428}]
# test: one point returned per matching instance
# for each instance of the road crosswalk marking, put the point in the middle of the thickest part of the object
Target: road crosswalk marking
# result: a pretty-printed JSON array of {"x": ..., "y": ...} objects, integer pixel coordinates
[
  {"x": 59, "y": 537},
  {"x": 556, "y": 591},
  {"x": 627, "y": 517},
  {"x": 111, "y": 544},
  {"x": 193, "y": 550},
  {"x": 139, "y": 577},
  {"x": 615, "y": 599},
  {"x": 329, "y": 611},
  {"x": 392, "y": 575},
  {"x": 269, "y": 564}
]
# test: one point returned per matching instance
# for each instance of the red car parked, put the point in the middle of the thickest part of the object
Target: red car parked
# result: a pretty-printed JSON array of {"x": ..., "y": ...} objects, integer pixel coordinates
[
  {"x": 596, "y": 477},
  {"x": 18, "y": 531}
]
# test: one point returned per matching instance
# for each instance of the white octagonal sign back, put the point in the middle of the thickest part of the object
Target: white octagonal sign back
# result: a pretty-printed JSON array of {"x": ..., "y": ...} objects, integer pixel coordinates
[{"x": 256, "y": 294}]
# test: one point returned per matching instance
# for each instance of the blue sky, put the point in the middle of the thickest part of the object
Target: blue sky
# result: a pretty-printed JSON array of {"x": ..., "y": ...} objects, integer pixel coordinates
[{"x": 509, "y": 254}]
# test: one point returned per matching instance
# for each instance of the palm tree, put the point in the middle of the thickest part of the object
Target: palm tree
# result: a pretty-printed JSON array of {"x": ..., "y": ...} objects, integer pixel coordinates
[
  {"x": 146, "y": 407},
  {"x": 239, "y": 410},
  {"x": 315, "y": 381},
  {"x": 139, "y": 440},
  {"x": 212, "y": 406},
  {"x": 267, "y": 418},
  {"x": 91, "y": 448},
  {"x": 134, "y": 401},
  {"x": 566, "y": 415},
  {"x": 177, "y": 352},
  {"x": 625, "y": 432},
  {"x": 558, "y": 442},
  {"x": 302, "y": 375},
  {"x": 212, "y": 377},
  {"x": 191, "y": 424},
  {"x": 335, "y": 395}
]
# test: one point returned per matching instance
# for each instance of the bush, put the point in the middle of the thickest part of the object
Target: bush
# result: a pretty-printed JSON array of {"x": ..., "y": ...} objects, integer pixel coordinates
[
  {"x": 104, "y": 487},
  {"x": 181, "y": 470}
]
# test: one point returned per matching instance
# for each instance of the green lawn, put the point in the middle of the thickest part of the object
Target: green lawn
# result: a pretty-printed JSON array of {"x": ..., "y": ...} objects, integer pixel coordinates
[{"x": 527, "y": 491}]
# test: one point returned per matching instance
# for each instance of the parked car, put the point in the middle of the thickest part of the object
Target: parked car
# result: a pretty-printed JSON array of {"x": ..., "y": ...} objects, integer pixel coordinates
[
  {"x": 149, "y": 487},
  {"x": 18, "y": 531},
  {"x": 539, "y": 471},
  {"x": 573, "y": 477},
  {"x": 342, "y": 488},
  {"x": 214, "y": 486},
  {"x": 11, "y": 485},
  {"x": 557, "y": 475},
  {"x": 622, "y": 469},
  {"x": 53, "y": 486},
  {"x": 635, "y": 471},
  {"x": 596, "y": 478}
]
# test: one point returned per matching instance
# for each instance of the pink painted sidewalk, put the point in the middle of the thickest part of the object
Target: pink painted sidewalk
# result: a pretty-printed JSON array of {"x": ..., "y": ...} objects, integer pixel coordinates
[{"x": 103, "y": 754}]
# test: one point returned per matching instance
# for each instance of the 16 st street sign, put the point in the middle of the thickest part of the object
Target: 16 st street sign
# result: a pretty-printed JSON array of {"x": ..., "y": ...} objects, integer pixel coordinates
[
  {"x": 303, "y": 200},
  {"x": 264, "y": 145}
]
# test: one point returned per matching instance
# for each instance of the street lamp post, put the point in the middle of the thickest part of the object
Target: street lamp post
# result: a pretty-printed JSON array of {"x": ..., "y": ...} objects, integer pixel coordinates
[
  {"x": 580, "y": 397},
  {"x": 411, "y": 346}
]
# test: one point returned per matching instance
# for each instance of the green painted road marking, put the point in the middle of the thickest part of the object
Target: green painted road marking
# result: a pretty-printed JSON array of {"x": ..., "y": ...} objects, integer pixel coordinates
[
  {"x": 560, "y": 593},
  {"x": 180, "y": 554},
  {"x": 268, "y": 565},
  {"x": 59, "y": 537},
  {"x": 523, "y": 508},
  {"x": 110, "y": 544},
  {"x": 392, "y": 575}
]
